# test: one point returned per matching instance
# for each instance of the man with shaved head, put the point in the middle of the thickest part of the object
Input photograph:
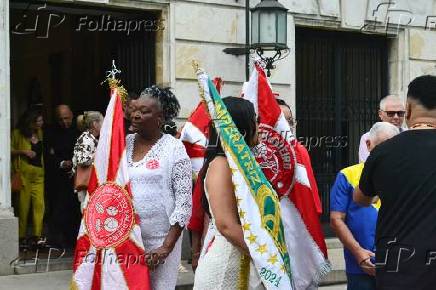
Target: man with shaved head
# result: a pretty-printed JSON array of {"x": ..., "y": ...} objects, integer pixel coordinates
[
  {"x": 391, "y": 110},
  {"x": 64, "y": 217},
  {"x": 64, "y": 116}
]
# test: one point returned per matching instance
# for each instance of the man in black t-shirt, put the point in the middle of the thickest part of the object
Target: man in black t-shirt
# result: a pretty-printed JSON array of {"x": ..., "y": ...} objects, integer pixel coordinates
[{"x": 402, "y": 172}]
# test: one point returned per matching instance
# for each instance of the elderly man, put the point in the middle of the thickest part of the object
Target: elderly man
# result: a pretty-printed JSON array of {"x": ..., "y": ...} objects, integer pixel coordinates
[
  {"x": 402, "y": 173},
  {"x": 392, "y": 111},
  {"x": 355, "y": 225},
  {"x": 64, "y": 218}
]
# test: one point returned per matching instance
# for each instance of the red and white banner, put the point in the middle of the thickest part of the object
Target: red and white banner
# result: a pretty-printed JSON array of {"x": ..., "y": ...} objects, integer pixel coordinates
[
  {"x": 303, "y": 233},
  {"x": 195, "y": 132},
  {"x": 109, "y": 251}
]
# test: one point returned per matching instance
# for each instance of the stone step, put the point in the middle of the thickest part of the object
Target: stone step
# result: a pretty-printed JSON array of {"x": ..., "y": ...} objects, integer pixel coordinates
[
  {"x": 42, "y": 265},
  {"x": 333, "y": 243}
]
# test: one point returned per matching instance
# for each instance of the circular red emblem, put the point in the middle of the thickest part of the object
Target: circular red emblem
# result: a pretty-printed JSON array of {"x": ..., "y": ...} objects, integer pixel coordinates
[
  {"x": 109, "y": 216},
  {"x": 276, "y": 158},
  {"x": 152, "y": 164}
]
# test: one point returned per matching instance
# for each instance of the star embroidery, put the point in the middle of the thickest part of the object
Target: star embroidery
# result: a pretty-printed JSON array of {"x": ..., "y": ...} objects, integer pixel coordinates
[
  {"x": 283, "y": 268},
  {"x": 273, "y": 259},
  {"x": 242, "y": 214},
  {"x": 246, "y": 227},
  {"x": 261, "y": 249},
  {"x": 252, "y": 238}
]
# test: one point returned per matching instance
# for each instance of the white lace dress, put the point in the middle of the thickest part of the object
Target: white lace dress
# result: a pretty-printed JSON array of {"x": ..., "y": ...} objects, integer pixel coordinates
[{"x": 161, "y": 186}]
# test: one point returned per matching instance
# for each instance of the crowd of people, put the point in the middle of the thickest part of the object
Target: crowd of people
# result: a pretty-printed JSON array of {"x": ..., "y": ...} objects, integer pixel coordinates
[
  {"x": 43, "y": 165},
  {"x": 382, "y": 209}
]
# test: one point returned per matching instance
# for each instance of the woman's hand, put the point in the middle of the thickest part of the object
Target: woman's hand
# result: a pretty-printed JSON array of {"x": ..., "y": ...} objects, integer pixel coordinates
[
  {"x": 157, "y": 256},
  {"x": 29, "y": 154}
]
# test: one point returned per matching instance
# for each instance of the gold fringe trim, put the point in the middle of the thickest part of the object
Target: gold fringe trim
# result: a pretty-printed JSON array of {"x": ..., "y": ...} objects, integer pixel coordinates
[
  {"x": 73, "y": 285},
  {"x": 116, "y": 84},
  {"x": 244, "y": 272}
]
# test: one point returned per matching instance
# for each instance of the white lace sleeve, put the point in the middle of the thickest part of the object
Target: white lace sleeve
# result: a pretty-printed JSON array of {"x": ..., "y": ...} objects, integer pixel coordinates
[{"x": 181, "y": 179}]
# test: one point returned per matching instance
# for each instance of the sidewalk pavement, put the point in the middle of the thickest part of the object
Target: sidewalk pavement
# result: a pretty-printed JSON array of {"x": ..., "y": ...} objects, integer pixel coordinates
[{"x": 60, "y": 280}]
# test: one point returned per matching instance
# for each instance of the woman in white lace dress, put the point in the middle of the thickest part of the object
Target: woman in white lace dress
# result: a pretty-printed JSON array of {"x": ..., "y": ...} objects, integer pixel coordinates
[
  {"x": 220, "y": 267},
  {"x": 160, "y": 175}
]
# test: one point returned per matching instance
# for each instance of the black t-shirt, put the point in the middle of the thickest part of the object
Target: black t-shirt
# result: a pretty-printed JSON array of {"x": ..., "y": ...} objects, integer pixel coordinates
[{"x": 402, "y": 172}]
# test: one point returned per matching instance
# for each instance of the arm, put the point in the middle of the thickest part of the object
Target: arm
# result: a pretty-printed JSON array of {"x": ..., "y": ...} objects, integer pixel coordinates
[
  {"x": 223, "y": 203},
  {"x": 196, "y": 223},
  {"x": 196, "y": 248},
  {"x": 337, "y": 223},
  {"x": 15, "y": 151},
  {"x": 182, "y": 188},
  {"x": 25, "y": 153},
  {"x": 360, "y": 198}
]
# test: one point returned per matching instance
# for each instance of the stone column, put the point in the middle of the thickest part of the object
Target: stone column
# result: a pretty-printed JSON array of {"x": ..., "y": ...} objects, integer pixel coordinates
[{"x": 8, "y": 223}]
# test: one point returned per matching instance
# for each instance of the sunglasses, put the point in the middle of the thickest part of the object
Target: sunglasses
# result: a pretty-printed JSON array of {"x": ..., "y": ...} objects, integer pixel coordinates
[{"x": 391, "y": 114}]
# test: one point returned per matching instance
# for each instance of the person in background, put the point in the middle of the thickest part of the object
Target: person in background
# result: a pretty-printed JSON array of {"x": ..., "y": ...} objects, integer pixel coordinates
[
  {"x": 402, "y": 173},
  {"x": 287, "y": 112},
  {"x": 160, "y": 174},
  {"x": 86, "y": 145},
  {"x": 27, "y": 160},
  {"x": 64, "y": 218},
  {"x": 391, "y": 110},
  {"x": 128, "y": 105},
  {"x": 353, "y": 224}
]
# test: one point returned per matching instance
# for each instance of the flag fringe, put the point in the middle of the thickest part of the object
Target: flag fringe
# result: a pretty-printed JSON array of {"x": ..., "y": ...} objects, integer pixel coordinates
[
  {"x": 323, "y": 270},
  {"x": 116, "y": 84}
]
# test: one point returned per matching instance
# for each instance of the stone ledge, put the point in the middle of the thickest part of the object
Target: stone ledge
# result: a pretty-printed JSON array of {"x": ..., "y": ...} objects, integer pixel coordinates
[{"x": 8, "y": 243}]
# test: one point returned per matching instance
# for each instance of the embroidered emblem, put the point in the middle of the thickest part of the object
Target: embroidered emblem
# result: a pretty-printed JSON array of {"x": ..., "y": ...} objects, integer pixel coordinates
[
  {"x": 109, "y": 216},
  {"x": 276, "y": 158},
  {"x": 152, "y": 164}
]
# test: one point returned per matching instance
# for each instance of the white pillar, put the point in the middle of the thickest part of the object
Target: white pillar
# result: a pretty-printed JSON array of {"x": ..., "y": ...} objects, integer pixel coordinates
[
  {"x": 5, "y": 196},
  {"x": 8, "y": 223}
]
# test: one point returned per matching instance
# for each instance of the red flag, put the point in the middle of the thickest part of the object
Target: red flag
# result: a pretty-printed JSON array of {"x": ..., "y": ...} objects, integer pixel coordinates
[
  {"x": 109, "y": 251},
  {"x": 303, "y": 233}
]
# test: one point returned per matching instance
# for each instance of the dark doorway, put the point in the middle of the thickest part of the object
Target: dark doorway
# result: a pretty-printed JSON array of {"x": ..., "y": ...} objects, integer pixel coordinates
[
  {"x": 60, "y": 54},
  {"x": 340, "y": 78}
]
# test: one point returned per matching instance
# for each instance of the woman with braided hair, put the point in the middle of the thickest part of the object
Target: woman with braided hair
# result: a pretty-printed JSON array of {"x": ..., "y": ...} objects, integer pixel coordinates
[{"x": 161, "y": 179}]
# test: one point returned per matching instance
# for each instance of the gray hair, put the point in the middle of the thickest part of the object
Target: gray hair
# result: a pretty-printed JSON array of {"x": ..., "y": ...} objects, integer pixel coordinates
[
  {"x": 384, "y": 129},
  {"x": 394, "y": 98},
  {"x": 85, "y": 121}
]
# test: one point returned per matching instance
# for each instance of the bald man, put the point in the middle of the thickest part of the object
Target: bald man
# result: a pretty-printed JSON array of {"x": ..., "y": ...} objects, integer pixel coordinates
[
  {"x": 64, "y": 216},
  {"x": 391, "y": 110}
]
